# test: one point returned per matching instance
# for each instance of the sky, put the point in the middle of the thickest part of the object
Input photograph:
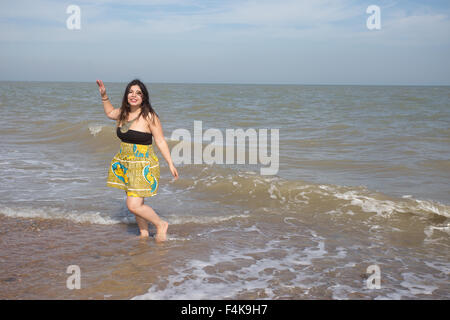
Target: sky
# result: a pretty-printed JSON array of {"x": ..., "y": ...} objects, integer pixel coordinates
[{"x": 227, "y": 41}]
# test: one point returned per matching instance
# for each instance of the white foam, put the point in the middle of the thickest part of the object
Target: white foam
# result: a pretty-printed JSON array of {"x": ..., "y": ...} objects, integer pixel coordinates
[
  {"x": 341, "y": 252},
  {"x": 367, "y": 204},
  {"x": 340, "y": 292},
  {"x": 386, "y": 208},
  {"x": 397, "y": 295},
  {"x": 275, "y": 193},
  {"x": 55, "y": 213},
  {"x": 304, "y": 198},
  {"x": 440, "y": 266},
  {"x": 309, "y": 254},
  {"x": 195, "y": 280},
  {"x": 95, "y": 129},
  {"x": 171, "y": 238},
  {"x": 252, "y": 228},
  {"x": 416, "y": 285},
  {"x": 430, "y": 206},
  {"x": 101, "y": 218},
  {"x": 289, "y": 223},
  {"x": 430, "y": 230},
  {"x": 177, "y": 219}
]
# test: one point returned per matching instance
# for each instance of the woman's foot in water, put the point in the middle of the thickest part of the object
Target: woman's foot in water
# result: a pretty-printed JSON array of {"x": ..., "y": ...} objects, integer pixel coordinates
[
  {"x": 144, "y": 234},
  {"x": 161, "y": 231}
]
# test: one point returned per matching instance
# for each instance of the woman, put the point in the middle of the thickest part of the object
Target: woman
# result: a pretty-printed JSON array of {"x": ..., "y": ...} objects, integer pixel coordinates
[{"x": 135, "y": 168}]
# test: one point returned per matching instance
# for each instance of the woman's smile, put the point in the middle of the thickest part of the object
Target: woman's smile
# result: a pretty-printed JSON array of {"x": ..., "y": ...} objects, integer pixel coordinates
[{"x": 135, "y": 96}]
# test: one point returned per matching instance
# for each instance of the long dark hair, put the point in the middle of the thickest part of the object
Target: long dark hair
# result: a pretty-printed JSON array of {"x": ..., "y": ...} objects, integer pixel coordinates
[{"x": 146, "y": 106}]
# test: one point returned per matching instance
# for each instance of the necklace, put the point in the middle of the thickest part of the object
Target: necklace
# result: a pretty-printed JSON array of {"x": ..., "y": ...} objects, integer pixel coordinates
[{"x": 126, "y": 126}]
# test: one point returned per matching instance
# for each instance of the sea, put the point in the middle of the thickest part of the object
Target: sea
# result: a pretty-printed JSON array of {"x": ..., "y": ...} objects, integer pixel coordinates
[{"x": 358, "y": 208}]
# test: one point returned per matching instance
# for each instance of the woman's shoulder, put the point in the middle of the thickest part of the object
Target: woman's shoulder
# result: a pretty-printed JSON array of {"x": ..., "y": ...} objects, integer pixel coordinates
[{"x": 152, "y": 119}]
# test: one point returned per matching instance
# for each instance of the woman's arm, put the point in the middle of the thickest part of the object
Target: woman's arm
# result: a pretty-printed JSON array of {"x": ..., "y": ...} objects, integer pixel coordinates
[
  {"x": 107, "y": 106},
  {"x": 157, "y": 132}
]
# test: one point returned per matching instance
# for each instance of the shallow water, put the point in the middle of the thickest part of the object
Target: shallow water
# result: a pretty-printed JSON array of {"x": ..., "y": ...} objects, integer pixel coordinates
[{"x": 363, "y": 180}]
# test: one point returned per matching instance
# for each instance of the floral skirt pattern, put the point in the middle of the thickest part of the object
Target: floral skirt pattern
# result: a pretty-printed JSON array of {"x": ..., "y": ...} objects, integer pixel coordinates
[{"x": 135, "y": 169}]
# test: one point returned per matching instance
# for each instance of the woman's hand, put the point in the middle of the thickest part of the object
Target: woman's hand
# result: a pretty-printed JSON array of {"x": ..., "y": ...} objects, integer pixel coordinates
[
  {"x": 174, "y": 171},
  {"x": 110, "y": 112},
  {"x": 101, "y": 88}
]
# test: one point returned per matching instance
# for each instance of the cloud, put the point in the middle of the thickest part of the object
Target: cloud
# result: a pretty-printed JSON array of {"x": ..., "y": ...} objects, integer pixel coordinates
[
  {"x": 264, "y": 14},
  {"x": 287, "y": 12},
  {"x": 316, "y": 21},
  {"x": 401, "y": 30},
  {"x": 420, "y": 29}
]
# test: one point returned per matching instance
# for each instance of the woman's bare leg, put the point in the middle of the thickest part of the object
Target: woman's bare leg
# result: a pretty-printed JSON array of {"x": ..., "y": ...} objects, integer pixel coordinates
[
  {"x": 136, "y": 205},
  {"x": 143, "y": 226}
]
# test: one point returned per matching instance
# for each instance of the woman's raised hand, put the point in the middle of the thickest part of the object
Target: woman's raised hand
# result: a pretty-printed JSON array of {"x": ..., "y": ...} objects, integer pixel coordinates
[{"x": 101, "y": 88}]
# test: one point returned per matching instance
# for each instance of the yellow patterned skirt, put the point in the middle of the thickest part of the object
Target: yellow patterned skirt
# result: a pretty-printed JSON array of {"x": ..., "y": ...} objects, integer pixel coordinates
[{"x": 135, "y": 169}]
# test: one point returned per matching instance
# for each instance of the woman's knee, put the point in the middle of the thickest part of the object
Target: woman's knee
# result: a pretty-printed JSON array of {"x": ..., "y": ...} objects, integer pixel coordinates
[{"x": 133, "y": 204}]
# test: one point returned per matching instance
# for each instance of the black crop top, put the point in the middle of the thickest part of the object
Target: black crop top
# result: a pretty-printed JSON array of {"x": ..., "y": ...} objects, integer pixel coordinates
[{"x": 133, "y": 136}]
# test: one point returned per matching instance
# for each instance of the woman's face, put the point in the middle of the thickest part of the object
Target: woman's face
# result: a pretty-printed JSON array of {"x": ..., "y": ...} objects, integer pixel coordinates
[{"x": 135, "y": 96}]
